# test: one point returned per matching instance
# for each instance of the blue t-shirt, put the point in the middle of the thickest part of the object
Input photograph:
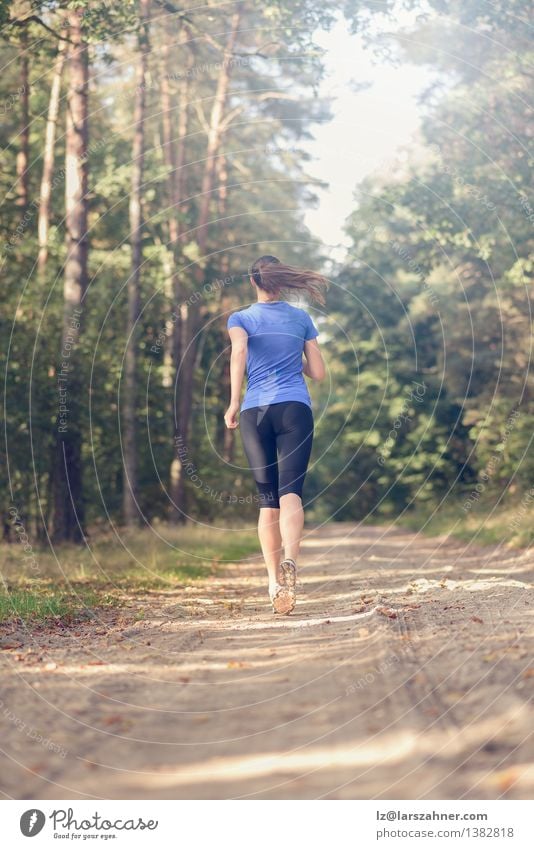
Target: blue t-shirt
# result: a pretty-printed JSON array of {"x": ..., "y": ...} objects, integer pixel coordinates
[{"x": 276, "y": 333}]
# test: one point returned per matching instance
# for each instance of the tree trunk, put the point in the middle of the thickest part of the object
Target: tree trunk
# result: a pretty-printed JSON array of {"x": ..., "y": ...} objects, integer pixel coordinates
[
  {"x": 191, "y": 319},
  {"x": 184, "y": 91},
  {"x": 48, "y": 158},
  {"x": 129, "y": 494},
  {"x": 68, "y": 518},
  {"x": 23, "y": 155},
  {"x": 214, "y": 138},
  {"x": 173, "y": 196},
  {"x": 183, "y": 390},
  {"x": 224, "y": 435},
  {"x": 222, "y": 195},
  {"x": 177, "y": 329}
]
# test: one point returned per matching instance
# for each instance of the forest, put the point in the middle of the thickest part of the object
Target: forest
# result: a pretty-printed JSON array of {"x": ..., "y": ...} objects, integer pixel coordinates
[{"x": 150, "y": 152}]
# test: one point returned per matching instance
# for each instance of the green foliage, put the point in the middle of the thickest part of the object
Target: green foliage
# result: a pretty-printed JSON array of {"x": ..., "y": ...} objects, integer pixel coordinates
[{"x": 437, "y": 288}]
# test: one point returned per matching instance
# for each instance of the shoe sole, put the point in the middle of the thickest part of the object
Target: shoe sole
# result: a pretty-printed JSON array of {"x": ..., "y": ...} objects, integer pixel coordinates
[
  {"x": 283, "y": 602},
  {"x": 289, "y": 573}
]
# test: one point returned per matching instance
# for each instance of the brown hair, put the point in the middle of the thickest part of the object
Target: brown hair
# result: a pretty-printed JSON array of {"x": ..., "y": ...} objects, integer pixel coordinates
[{"x": 273, "y": 277}]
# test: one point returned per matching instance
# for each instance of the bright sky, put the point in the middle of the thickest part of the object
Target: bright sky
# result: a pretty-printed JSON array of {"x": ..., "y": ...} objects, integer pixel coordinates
[{"x": 367, "y": 128}]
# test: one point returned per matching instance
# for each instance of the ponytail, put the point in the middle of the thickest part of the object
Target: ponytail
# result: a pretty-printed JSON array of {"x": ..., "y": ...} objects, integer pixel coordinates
[{"x": 274, "y": 277}]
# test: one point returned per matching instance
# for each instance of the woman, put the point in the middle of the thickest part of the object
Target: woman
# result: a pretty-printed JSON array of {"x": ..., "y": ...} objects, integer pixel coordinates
[{"x": 269, "y": 338}]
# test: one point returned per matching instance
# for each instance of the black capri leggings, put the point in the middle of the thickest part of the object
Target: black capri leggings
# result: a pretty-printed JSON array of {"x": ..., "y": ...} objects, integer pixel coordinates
[{"x": 278, "y": 440}]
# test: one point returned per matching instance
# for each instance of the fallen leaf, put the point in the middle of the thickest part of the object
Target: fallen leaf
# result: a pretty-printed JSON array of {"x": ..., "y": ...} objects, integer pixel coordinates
[
  {"x": 111, "y": 720},
  {"x": 118, "y": 722},
  {"x": 477, "y": 619},
  {"x": 506, "y": 778},
  {"x": 387, "y": 611},
  {"x": 38, "y": 767},
  {"x": 454, "y": 696}
]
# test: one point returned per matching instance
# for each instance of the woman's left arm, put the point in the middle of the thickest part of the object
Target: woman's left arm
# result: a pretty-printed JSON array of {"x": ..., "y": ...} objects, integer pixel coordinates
[{"x": 238, "y": 361}]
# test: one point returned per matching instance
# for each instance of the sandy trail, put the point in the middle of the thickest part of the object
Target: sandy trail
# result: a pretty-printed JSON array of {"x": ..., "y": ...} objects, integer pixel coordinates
[{"x": 406, "y": 671}]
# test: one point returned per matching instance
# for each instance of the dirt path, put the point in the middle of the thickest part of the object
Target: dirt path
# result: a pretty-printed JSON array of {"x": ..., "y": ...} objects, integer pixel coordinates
[{"x": 405, "y": 672}]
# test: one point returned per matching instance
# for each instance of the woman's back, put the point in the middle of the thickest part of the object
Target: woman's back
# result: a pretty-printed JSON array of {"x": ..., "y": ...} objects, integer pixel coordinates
[{"x": 276, "y": 333}]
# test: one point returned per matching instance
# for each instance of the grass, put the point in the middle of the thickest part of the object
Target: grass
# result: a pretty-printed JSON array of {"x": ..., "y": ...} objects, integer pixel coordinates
[
  {"x": 510, "y": 524},
  {"x": 41, "y": 603},
  {"x": 75, "y": 579}
]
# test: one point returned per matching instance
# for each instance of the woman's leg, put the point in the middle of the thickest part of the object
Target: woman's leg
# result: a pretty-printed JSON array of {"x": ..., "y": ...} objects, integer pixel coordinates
[
  {"x": 291, "y": 524},
  {"x": 259, "y": 442},
  {"x": 294, "y": 427},
  {"x": 271, "y": 543}
]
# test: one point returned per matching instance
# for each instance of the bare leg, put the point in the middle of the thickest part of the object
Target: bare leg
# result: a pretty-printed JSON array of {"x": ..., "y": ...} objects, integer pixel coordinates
[
  {"x": 270, "y": 541},
  {"x": 291, "y": 524}
]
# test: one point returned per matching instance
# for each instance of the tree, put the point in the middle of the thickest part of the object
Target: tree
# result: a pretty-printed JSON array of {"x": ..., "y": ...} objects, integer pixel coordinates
[
  {"x": 174, "y": 148},
  {"x": 49, "y": 156},
  {"x": 69, "y": 507},
  {"x": 131, "y": 448},
  {"x": 23, "y": 156},
  {"x": 190, "y": 313}
]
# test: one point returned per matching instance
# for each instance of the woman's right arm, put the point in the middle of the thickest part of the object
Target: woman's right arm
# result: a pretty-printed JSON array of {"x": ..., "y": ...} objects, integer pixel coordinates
[
  {"x": 238, "y": 361},
  {"x": 313, "y": 365}
]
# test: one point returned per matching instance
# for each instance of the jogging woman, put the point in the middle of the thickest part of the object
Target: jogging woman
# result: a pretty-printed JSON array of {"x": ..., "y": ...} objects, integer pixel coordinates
[{"x": 269, "y": 339}]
